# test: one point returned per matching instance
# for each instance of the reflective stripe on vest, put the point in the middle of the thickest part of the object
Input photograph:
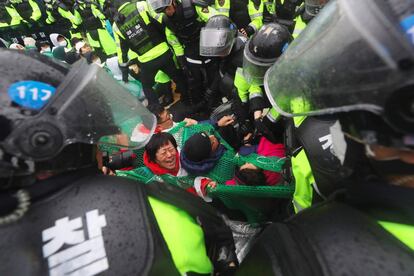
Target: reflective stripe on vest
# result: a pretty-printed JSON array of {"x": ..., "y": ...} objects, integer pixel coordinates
[
  {"x": 253, "y": 11},
  {"x": 256, "y": 15},
  {"x": 222, "y": 7}
]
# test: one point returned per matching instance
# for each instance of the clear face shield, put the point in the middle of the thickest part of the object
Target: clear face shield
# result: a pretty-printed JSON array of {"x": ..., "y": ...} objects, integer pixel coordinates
[
  {"x": 159, "y": 5},
  {"x": 88, "y": 107},
  {"x": 216, "y": 42},
  {"x": 254, "y": 69},
  {"x": 345, "y": 51}
]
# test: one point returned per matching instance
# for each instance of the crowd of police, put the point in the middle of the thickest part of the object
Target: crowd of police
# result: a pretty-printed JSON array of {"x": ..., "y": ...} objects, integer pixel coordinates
[
  {"x": 330, "y": 81},
  {"x": 141, "y": 35}
]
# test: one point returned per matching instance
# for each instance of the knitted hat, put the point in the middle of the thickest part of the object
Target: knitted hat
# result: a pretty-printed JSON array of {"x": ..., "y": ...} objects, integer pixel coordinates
[{"x": 197, "y": 147}]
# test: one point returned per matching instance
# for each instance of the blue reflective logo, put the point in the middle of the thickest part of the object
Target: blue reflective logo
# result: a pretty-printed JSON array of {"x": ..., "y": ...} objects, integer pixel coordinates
[
  {"x": 31, "y": 94},
  {"x": 408, "y": 26}
]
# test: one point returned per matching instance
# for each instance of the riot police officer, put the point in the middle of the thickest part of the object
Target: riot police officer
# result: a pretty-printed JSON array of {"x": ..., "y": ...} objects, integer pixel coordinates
[
  {"x": 185, "y": 18},
  {"x": 66, "y": 10},
  {"x": 28, "y": 10},
  {"x": 137, "y": 29},
  {"x": 58, "y": 214},
  {"x": 92, "y": 24},
  {"x": 9, "y": 17},
  {"x": 261, "y": 51},
  {"x": 55, "y": 20},
  {"x": 367, "y": 228},
  {"x": 220, "y": 38}
]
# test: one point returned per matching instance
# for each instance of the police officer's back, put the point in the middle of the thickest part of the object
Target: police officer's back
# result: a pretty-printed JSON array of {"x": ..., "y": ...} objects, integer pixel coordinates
[{"x": 366, "y": 229}]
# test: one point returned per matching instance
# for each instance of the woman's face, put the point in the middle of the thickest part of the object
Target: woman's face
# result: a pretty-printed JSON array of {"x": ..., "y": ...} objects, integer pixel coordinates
[{"x": 166, "y": 156}]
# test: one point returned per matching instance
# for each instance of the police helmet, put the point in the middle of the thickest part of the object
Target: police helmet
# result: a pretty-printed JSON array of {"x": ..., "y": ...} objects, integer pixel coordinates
[
  {"x": 262, "y": 51},
  {"x": 51, "y": 116},
  {"x": 217, "y": 37}
]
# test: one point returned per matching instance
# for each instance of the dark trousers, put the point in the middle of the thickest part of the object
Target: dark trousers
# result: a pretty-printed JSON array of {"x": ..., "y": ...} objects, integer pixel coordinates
[
  {"x": 202, "y": 78},
  {"x": 166, "y": 64}
]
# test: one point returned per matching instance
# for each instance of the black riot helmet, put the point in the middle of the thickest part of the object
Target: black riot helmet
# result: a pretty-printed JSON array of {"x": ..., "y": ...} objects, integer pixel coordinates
[
  {"x": 262, "y": 51},
  {"x": 356, "y": 60},
  {"x": 312, "y": 8},
  {"x": 51, "y": 117},
  {"x": 217, "y": 37}
]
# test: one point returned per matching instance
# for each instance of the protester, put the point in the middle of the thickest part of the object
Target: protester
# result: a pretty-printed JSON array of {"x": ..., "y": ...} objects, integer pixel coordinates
[
  {"x": 165, "y": 120},
  {"x": 249, "y": 174},
  {"x": 58, "y": 40},
  {"x": 201, "y": 153},
  {"x": 161, "y": 155}
]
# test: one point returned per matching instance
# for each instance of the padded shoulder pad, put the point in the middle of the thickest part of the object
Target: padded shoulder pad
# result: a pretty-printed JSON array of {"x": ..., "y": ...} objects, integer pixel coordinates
[
  {"x": 125, "y": 231},
  {"x": 347, "y": 241},
  {"x": 329, "y": 239}
]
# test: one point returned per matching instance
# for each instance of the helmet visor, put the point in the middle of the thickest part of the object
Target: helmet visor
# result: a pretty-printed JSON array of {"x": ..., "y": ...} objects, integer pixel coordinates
[
  {"x": 90, "y": 107},
  {"x": 216, "y": 42},
  {"x": 254, "y": 69},
  {"x": 347, "y": 59},
  {"x": 159, "y": 5}
]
